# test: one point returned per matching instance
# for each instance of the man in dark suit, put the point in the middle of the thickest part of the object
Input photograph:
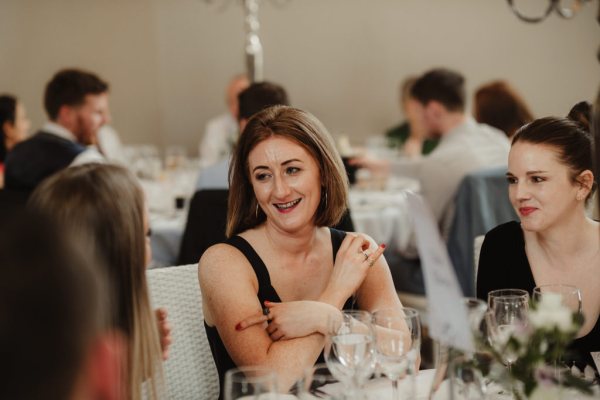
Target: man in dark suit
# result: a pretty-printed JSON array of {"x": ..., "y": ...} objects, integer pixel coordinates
[{"x": 76, "y": 102}]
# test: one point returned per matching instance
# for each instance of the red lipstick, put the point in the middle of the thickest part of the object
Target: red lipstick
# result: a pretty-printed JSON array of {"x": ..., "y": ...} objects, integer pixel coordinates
[{"x": 525, "y": 211}]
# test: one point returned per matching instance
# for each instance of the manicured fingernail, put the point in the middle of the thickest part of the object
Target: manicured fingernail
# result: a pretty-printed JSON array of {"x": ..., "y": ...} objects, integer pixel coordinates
[
  {"x": 238, "y": 327},
  {"x": 267, "y": 302},
  {"x": 382, "y": 245}
]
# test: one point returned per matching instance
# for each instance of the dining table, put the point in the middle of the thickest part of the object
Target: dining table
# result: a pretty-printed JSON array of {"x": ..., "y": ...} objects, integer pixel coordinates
[{"x": 381, "y": 389}]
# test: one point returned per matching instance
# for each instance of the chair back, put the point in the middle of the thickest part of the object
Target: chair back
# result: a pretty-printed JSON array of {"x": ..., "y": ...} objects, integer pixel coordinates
[
  {"x": 205, "y": 226},
  {"x": 190, "y": 372},
  {"x": 481, "y": 204}
]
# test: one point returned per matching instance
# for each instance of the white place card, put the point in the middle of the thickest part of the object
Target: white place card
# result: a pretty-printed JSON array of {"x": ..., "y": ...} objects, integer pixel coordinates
[
  {"x": 596, "y": 358},
  {"x": 448, "y": 319}
]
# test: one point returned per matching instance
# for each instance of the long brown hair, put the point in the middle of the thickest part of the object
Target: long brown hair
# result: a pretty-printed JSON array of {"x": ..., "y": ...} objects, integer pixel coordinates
[
  {"x": 104, "y": 205},
  {"x": 304, "y": 129}
]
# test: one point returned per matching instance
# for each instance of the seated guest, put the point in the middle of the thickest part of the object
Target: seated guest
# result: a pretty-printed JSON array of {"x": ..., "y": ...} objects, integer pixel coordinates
[
  {"x": 105, "y": 205},
  {"x": 14, "y": 127},
  {"x": 499, "y": 105},
  {"x": 288, "y": 185},
  {"x": 222, "y": 131},
  {"x": 465, "y": 146},
  {"x": 255, "y": 98},
  {"x": 54, "y": 337},
  {"x": 550, "y": 180},
  {"x": 77, "y": 105},
  {"x": 410, "y": 135}
]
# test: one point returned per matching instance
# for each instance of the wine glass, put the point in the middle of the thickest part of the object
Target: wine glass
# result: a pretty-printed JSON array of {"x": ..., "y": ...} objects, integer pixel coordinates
[
  {"x": 249, "y": 383},
  {"x": 397, "y": 344},
  {"x": 509, "y": 316},
  {"x": 506, "y": 293},
  {"x": 349, "y": 352},
  {"x": 570, "y": 295}
]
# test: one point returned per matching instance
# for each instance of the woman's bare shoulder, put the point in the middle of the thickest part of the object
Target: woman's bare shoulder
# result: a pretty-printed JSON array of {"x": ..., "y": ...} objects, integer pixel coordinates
[{"x": 221, "y": 262}]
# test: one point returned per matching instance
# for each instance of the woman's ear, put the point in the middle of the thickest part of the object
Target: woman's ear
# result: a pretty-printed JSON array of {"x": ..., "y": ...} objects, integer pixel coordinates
[{"x": 586, "y": 182}]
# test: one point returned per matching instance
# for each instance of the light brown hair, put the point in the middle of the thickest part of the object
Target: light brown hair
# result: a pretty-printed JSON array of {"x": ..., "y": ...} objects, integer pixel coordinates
[
  {"x": 104, "y": 206},
  {"x": 307, "y": 131}
]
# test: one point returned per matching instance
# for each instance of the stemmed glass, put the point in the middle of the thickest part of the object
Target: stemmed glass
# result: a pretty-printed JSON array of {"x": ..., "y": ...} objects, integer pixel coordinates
[
  {"x": 506, "y": 293},
  {"x": 509, "y": 316},
  {"x": 569, "y": 294},
  {"x": 397, "y": 344},
  {"x": 349, "y": 349},
  {"x": 250, "y": 382},
  {"x": 570, "y": 297}
]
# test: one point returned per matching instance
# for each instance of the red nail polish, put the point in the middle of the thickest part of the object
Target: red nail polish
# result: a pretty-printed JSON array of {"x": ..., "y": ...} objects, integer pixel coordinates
[
  {"x": 383, "y": 246},
  {"x": 238, "y": 327}
]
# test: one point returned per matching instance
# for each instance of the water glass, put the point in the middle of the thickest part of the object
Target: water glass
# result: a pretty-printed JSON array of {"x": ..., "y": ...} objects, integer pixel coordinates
[
  {"x": 570, "y": 295},
  {"x": 250, "y": 383},
  {"x": 349, "y": 349},
  {"x": 509, "y": 316},
  {"x": 507, "y": 293},
  {"x": 397, "y": 344}
]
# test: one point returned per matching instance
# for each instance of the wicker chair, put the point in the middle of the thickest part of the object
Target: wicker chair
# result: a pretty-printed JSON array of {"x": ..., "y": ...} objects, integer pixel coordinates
[{"x": 190, "y": 371}]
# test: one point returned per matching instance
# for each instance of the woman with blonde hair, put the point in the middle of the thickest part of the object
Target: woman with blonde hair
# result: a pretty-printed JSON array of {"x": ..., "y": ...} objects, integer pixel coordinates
[{"x": 104, "y": 206}]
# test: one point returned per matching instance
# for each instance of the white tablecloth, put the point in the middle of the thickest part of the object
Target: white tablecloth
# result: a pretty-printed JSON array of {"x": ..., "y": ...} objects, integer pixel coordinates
[
  {"x": 381, "y": 389},
  {"x": 383, "y": 215}
]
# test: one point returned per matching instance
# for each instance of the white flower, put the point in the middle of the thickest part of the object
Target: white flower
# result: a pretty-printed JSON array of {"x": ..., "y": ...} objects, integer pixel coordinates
[{"x": 552, "y": 313}]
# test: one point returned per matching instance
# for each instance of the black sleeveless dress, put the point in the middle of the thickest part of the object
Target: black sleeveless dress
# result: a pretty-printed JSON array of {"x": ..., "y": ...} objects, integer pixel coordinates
[{"x": 266, "y": 292}]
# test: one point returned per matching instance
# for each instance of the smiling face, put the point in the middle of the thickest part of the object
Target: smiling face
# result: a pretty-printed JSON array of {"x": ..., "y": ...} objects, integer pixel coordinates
[
  {"x": 286, "y": 182},
  {"x": 540, "y": 187}
]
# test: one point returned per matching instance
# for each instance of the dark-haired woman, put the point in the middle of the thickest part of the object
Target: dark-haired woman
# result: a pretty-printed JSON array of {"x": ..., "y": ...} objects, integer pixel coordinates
[
  {"x": 550, "y": 180},
  {"x": 14, "y": 127}
]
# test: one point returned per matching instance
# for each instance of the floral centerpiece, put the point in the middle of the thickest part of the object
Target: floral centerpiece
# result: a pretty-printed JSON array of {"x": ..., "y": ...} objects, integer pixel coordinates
[{"x": 537, "y": 372}]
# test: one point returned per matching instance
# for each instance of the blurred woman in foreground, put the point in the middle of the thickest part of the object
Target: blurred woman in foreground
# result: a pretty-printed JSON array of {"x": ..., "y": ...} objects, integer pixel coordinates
[{"x": 104, "y": 205}]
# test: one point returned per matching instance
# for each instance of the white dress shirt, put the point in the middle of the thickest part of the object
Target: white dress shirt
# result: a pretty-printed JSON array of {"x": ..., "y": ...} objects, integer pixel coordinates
[{"x": 466, "y": 148}]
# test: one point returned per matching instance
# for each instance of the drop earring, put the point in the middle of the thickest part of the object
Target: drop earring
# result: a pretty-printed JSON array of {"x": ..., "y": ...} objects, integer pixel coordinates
[{"x": 256, "y": 210}]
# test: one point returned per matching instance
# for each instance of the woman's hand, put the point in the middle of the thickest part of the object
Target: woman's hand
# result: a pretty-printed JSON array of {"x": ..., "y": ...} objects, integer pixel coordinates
[
  {"x": 292, "y": 319},
  {"x": 164, "y": 331},
  {"x": 352, "y": 263}
]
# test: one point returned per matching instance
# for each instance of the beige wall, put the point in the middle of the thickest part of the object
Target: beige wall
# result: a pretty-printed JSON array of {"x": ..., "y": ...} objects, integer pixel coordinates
[{"x": 169, "y": 60}]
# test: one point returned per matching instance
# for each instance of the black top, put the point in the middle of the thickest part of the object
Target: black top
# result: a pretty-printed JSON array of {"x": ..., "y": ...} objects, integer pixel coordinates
[
  {"x": 503, "y": 264},
  {"x": 36, "y": 158},
  {"x": 266, "y": 292}
]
